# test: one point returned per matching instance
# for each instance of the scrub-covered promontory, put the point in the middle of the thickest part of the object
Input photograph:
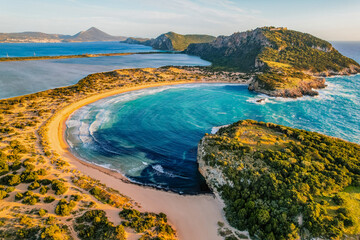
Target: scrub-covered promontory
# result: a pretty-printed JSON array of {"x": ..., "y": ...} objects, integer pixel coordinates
[
  {"x": 279, "y": 182},
  {"x": 288, "y": 63},
  {"x": 172, "y": 41}
]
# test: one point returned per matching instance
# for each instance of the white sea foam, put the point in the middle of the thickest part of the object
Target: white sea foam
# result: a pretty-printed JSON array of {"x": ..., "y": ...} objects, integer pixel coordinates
[
  {"x": 214, "y": 130},
  {"x": 158, "y": 168}
]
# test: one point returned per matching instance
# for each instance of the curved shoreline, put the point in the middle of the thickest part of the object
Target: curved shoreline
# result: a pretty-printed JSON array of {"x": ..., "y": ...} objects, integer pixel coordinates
[
  {"x": 38, "y": 58},
  {"x": 182, "y": 210}
]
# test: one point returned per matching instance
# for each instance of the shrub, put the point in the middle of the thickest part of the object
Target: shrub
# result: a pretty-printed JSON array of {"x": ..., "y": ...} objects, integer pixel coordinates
[
  {"x": 4, "y": 167},
  {"x": 43, "y": 189},
  {"x": 19, "y": 196},
  {"x": 11, "y": 180},
  {"x": 59, "y": 187},
  {"x": 64, "y": 207},
  {"x": 3, "y": 194},
  {"x": 42, "y": 172},
  {"x": 29, "y": 176},
  {"x": 42, "y": 212},
  {"x": 54, "y": 232},
  {"x": 31, "y": 200},
  {"x": 25, "y": 220},
  {"x": 95, "y": 225},
  {"x": 9, "y": 189},
  {"x": 49, "y": 199},
  {"x": 34, "y": 185},
  {"x": 45, "y": 182},
  {"x": 76, "y": 197},
  {"x": 16, "y": 166}
]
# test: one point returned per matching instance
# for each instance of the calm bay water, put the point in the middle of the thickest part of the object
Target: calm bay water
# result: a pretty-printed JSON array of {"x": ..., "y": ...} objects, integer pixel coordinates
[
  {"x": 56, "y": 49},
  {"x": 151, "y": 135},
  {"x": 24, "y": 77}
]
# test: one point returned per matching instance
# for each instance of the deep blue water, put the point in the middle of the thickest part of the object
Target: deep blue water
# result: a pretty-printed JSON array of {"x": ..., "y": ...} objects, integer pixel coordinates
[
  {"x": 151, "y": 135},
  {"x": 349, "y": 49},
  {"x": 24, "y": 77},
  {"x": 56, "y": 49}
]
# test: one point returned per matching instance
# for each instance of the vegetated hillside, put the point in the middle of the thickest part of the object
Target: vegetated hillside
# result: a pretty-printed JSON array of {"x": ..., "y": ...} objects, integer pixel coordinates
[
  {"x": 279, "y": 182},
  {"x": 172, "y": 41},
  {"x": 31, "y": 37},
  {"x": 290, "y": 62},
  {"x": 93, "y": 34},
  {"x": 90, "y": 35}
]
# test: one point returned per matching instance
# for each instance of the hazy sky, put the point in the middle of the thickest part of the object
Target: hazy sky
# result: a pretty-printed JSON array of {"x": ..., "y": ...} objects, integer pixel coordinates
[{"x": 328, "y": 19}]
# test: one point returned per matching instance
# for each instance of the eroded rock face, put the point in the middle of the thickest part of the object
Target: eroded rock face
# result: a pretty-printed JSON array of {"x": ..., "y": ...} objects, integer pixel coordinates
[
  {"x": 162, "y": 43},
  {"x": 303, "y": 89},
  {"x": 239, "y": 51},
  {"x": 287, "y": 63},
  {"x": 352, "y": 69}
]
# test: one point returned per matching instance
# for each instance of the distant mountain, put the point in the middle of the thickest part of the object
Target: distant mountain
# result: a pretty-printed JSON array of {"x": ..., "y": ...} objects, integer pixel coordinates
[
  {"x": 91, "y": 35},
  {"x": 289, "y": 63},
  {"x": 172, "y": 41}
]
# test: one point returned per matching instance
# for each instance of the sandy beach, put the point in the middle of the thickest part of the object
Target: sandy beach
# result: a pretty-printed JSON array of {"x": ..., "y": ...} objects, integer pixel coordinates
[{"x": 194, "y": 217}]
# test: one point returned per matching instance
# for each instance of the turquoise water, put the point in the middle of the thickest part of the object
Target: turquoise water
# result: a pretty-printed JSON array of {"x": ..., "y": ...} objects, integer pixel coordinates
[
  {"x": 151, "y": 135},
  {"x": 56, "y": 49},
  {"x": 24, "y": 77}
]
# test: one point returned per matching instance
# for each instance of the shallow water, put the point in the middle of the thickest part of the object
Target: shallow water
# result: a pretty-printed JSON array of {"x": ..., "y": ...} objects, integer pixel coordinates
[
  {"x": 151, "y": 135},
  {"x": 25, "y": 77}
]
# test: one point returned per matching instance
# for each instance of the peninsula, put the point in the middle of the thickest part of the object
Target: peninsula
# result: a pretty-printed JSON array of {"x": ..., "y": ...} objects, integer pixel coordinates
[
  {"x": 284, "y": 183},
  {"x": 288, "y": 63}
]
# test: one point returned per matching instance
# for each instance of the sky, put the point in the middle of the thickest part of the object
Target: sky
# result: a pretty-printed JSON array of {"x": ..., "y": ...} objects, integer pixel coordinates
[{"x": 332, "y": 20}]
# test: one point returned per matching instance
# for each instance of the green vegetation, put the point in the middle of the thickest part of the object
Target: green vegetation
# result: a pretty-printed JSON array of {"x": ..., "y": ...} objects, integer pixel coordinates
[
  {"x": 302, "y": 51},
  {"x": 150, "y": 223},
  {"x": 59, "y": 187},
  {"x": 55, "y": 232},
  {"x": 64, "y": 207},
  {"x": 287, "y": 62},
  {"x": 27, "y": 165},
  {"x": 95, "y": 225},
  {"x": 49, "y": 199},
  {"x": 30, "y": 198},
  {"x": 181, "y": 42},
  {"x": 279, "y": 182}
]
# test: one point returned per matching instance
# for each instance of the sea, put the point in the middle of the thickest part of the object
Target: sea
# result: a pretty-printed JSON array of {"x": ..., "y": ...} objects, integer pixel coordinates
[{"x": 151, "y": 135}]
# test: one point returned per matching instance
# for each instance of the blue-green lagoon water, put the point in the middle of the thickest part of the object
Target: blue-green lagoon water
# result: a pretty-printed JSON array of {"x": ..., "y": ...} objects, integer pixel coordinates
[{"x": 151, "y": 135}]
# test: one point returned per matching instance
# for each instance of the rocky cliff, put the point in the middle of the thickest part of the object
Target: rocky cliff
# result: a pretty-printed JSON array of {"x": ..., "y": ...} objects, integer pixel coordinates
[{"x": 288, "y": 63}]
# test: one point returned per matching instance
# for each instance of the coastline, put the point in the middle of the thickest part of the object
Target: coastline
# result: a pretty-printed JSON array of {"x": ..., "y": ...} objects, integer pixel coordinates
[
  {"x": 38, "y": 58},
  {"x": 182, "y": 210}
]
